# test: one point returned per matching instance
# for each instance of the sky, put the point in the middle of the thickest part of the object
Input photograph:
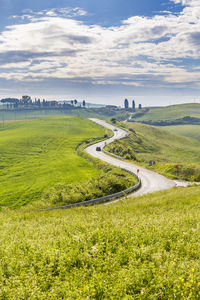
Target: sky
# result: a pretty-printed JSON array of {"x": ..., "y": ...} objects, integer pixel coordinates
[{"x": 101, "y": 51}]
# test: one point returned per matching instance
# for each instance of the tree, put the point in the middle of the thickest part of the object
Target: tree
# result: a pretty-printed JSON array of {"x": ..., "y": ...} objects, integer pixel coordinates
[
  {"x": 140, "y": 106},
  {"x": 75, "y": 101},
  {"x": 126, "y": 104},
  {"x": 72, "y": 102},
  {"x": 83, "y": 103},
  {"x": 133, "y": 104},
  {"x": 113, "y": 120},
  {"x": 26, "y": 99}
]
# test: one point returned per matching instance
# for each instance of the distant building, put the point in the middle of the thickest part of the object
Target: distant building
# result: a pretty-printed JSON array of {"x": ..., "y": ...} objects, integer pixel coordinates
[
  {"x": 140, "y": 106},
  {"x": 126, "y": 104}
]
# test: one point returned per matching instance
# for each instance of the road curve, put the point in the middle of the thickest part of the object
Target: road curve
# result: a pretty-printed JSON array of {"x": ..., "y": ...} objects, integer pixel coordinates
[{"x": 151, "y": 181}]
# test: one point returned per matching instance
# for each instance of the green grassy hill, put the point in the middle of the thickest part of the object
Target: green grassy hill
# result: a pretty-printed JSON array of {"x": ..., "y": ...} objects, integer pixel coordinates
[
  {"x": 143, "y": 248},
  {"x": 174, "y": 114},
  {"x": 147, "y": 143},
  {"x": 40, "y": 163},
  {"x": 191, "y": 131},
  {"x": 36, "y": 155}
]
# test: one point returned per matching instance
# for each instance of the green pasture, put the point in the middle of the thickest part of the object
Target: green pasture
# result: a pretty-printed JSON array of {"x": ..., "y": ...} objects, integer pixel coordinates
[
  {"x": 139, "y": 248},
  {"x": 147, "y": 143},
  {"x": 168, "y": 113},
  {"x": 37, "y": 155},
  {"x": 191, "y": 131}
]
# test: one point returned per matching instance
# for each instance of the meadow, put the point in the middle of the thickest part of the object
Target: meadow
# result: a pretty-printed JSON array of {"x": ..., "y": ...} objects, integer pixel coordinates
[
  {"x": 168, "y": 114},
  {"x": 147, "y": 143},
  {"x": 43, "y": 161},
  {"x": 37, "y": 155},
  {"x": 191, "y": 131},
  {"x": 138, "y": 248}
]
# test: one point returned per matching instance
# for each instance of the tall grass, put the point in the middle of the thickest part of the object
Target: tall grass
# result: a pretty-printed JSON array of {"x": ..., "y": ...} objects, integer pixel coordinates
[{"x": 142, "y": 248}]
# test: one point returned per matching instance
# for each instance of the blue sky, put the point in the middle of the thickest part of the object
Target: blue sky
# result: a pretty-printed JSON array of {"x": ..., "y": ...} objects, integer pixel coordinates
[{"x": 101, "y": 51}]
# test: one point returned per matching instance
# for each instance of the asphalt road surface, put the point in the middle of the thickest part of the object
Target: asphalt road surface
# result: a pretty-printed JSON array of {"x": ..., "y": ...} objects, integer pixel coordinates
[{"x": 151, "y": 181}]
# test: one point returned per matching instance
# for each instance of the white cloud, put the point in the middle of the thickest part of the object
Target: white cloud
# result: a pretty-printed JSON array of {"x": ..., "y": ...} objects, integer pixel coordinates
[{"x": 142, "y": 50}]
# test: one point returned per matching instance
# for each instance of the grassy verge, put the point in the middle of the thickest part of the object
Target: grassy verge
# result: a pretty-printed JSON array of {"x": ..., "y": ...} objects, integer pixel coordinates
[
  {"x": 142, "y": 248},
  {"x": 146, "y": 143}
]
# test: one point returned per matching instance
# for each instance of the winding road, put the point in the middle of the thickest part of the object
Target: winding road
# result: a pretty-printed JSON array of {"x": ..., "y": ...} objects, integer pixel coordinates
[{"x": 151, "y": 181}]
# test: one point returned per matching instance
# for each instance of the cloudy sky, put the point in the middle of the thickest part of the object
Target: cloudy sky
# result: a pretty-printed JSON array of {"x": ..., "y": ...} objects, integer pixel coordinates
[{"x": 101, "y": 51}]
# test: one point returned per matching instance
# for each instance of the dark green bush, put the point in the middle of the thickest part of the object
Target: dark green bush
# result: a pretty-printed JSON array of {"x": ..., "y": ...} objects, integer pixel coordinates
[{"x": 107, "y": 183}]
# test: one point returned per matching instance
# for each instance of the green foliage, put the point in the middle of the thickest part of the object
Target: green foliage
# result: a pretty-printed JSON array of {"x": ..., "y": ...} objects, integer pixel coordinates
[
  {"x": 121, "y": 149},
  {"x": 110, "y": 181},
  {"x": 37, "y": 155},
  {"x": 149, "y": 143},
  {"x": 138, "y": 248},
  {"x": 113, "y": 120}
]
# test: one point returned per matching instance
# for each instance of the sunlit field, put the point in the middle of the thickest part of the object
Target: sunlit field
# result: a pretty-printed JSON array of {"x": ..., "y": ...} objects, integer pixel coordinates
[
  {"x": 168, "y": 150},
  {"x": 142, "y": 248},
  {"x": 37, "y": 155}
]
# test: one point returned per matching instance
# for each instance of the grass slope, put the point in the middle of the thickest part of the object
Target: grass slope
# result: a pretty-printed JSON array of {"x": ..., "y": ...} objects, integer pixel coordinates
[
  {"x": 169, "y": 113},
  {"x": 36, "y": 155},
  {"x": 191, "y": 131},
  {"x": 148, "y": 143},
  {"x": 142, "y": 248}
]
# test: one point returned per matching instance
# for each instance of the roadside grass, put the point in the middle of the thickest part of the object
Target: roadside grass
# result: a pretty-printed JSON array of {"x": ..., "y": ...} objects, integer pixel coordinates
[
  {"x": 138, "y": 248},
  {"x": 169, "y": 113},
  {"x": 147, "y": 143},
  {"x": 37, "y": 155},
  {"x": 191, "y": 131},
  {"x": 111, "y": 180}
]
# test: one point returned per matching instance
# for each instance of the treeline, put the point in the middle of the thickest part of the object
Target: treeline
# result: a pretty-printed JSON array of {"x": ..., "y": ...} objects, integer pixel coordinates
[{"x": 27, "y": 103}]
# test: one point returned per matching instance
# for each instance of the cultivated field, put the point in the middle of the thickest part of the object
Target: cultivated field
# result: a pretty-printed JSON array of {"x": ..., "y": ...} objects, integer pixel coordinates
[
  {"x": 43, "y": 162},
  {"x": 37, "y": 155}
]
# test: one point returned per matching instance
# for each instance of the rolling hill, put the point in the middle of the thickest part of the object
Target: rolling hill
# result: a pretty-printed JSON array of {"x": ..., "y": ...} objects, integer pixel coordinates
[
  {"x": 147, "y": 143},
  {"x": 43, "y": 161},
  {"x": 35, "y": 155},
  {"x": 191, "y": 131},
  {"x": 169, "y": 115}
]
